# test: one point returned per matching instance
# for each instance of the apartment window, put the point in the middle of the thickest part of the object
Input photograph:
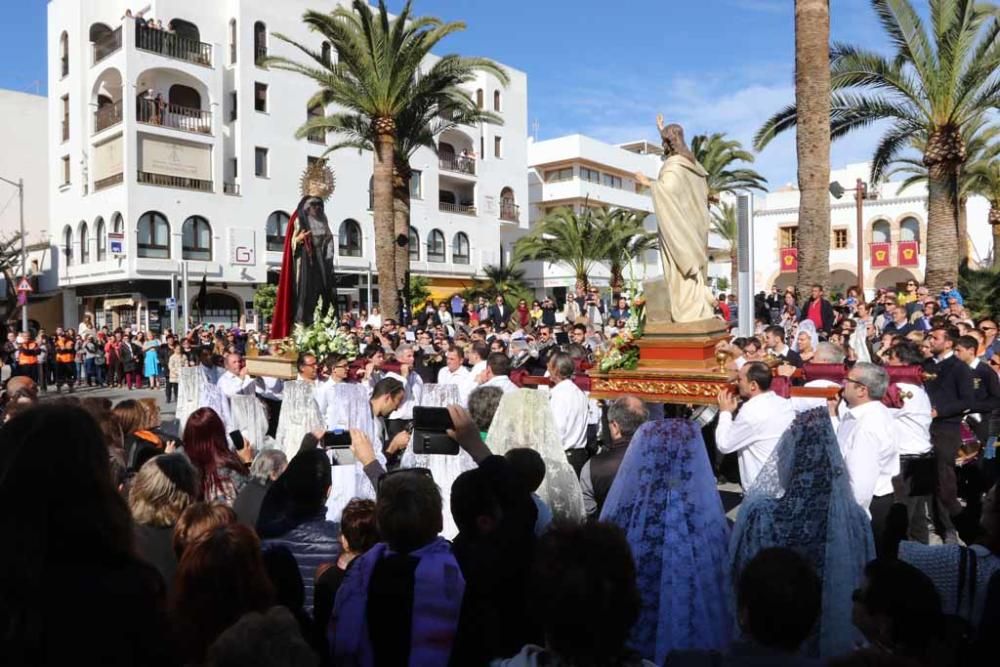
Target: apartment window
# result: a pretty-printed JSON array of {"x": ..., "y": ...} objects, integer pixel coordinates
[
  {"x": 317, "y": 136},
  {"x": 497, "y": 146},
  {"x": 64, "y": 55},
  {"x": 416, "y": 191},
  {"x": 350, "y": 239},
  {"x": 102, "y": 240},
  {"x": 153, "y": 235},
  {"x": 65, "y": 170},
  {"x": 460, "y": 249},
  {"x": 612, "y": 181},
  {"x": 236, "y": 168},
  {"x": 435, "y": 246},
  {"x": 233, "y": 105},
  {"x": 68, "y": 245},
  {"x": 482, "y": 146},
  {"x": 789, "y": 237},
  {"x": 326, "y": 54},
  {"x": 496, "y": 100},
  {"x": 590, "y": 175},
  {"x": 259, "y": 43},
  {"x": 260, "y": 97},
  {"x": 479, "y": 99},
  {"x": 84, "y": 243},
  {"x": 196, "y": 239},
  {"x": 260, "y": 162},
  {"x": 65, "y": 117},
  {"x": 414, "y": 245},
  {"x": 839, "y": 239},
  {"x": 232, "y": 42},
  {"x": 556, "y": 175},
  {"x": 277, "y": 225}
]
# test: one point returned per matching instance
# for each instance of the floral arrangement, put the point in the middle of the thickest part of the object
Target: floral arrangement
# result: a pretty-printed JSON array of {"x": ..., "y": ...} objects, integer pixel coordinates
[
  {"x": 322, "y": 336},
  {"x": 622, "y": 352}
]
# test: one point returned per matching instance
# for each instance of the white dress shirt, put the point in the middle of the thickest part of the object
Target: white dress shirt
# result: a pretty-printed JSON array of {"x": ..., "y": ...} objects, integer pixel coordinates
[
  {"x": 501, "y": 381},
  {"x": 754, "y": 433},
  {"x": 461, "y": 378},
  {"x": 477, "y": 368},
  {"x": 232, "y": 384},
  {"x": 322, "y": 395},
  {"x": 570, "y": 408},
  {"x": 414, "y": 387},
  {"x": 913, "y": 421},
  {"x": 868, "y": 441}
]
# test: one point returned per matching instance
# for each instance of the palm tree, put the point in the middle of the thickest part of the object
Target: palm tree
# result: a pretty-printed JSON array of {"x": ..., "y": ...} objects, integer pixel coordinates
[
  {"x": 565, "y": 237},
  {"x": 506, "y": 280},
  {"x": 985, "y": 181},
  {"x": 624, "y": 238},
  {"x": 981, "y": 149},
  {"x": 386, "y": 99},
  {"x": 717, "y": 155},
  {"x": 725, "y": 226},
  {"x": 936, "y": 83}
]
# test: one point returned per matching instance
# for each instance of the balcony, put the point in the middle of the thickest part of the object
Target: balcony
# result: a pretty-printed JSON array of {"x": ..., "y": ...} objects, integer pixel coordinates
[
  {"x": 231, "y": 189},
  {"x": 509, "y": 211},
  {"x": 147, "y": 178},
  {"x": 173, "y": 46},
  {"x": 107, "y": 116},
  {"x": 463, "y": 209},
  {"x": 108, "y": 182},
  {"x": 107, "y": 45},
  {"x": 174, "y": 116},
  {"x": 458, "y": 164}
]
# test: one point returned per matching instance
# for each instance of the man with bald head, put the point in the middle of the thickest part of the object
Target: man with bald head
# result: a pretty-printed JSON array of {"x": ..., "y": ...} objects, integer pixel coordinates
[
  {"x": 625, "y": 416},
  {"x": 235, "y": 380},
  {"x": 20, "y": 389}
]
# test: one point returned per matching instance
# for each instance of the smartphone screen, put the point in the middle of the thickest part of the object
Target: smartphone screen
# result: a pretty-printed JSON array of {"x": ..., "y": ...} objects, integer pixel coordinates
[
  {"x": 431, "y": 419},
  {"x": 237, "y": 439}
]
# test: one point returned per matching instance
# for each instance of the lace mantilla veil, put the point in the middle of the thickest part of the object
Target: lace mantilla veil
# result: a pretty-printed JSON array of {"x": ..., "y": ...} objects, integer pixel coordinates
[
  {"x": 299, "y": 415},
  {"x": 802, "y": 500},
  {"x": 665, "y": 500},
  {"x": 524, "y": 419}
]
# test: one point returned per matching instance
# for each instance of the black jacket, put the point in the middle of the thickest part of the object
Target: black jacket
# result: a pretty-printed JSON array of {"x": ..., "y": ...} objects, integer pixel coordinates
[
  {"x": 826, "y": 313},
  {"x": 604, "y": 468},
  {"x": 950, "y": 389}
]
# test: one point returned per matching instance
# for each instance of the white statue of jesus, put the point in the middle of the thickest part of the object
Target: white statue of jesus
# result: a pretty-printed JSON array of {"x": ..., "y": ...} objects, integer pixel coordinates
[{"x": 680, "y": 199}]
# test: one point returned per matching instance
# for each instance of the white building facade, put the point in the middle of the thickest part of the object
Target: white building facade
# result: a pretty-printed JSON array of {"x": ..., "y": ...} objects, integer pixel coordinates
[
  {"x": 576, "y": 171},
  {"x": 169, "y": 147},
  {"x": 894, "y": 222}
]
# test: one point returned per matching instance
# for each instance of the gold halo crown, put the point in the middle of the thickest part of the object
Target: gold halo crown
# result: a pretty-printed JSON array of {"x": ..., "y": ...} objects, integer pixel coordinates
[{"x": 318, "y": 181}]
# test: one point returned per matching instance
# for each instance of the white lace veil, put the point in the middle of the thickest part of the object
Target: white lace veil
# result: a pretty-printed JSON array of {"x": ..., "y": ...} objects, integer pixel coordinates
[
  {"x": 524, "y": 419},
  {"x": 809, "y": 327},
  {"x": 445, "y": 469},
  {"x": 299, "y": 415},
  {"x": 188, "y": 395},
  {"x": 347, "y": 408},
  {"x": 250, "y": 418}
]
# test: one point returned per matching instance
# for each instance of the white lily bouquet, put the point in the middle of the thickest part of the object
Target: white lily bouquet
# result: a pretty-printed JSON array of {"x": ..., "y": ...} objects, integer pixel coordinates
[{"x": 322, "y": 336}]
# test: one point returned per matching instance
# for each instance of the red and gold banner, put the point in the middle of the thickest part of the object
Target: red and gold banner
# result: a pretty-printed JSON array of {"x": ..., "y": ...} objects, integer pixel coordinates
[
  {"x": 881, "y": 255},
  {"x": 789, "y": 260},
  {"x": 908, "y": 253}
]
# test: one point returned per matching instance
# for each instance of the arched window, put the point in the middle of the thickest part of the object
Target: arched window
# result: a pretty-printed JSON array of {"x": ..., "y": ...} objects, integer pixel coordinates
[
  {"x": 881, "y": 231},
  {"x": 326, "y": 53},
  {"x": 185, "y": 30},
  {"x": 371, "y": 193},
  {"x": 221, "y": 309},
  {"x": 184, "y": 96},
  {"x": 460, "y": 249},
  {"x": 909, "y": 229},
  {"x": 508, "y": 209},
  {"x": 102, "y": 239},
  {"x": 84, "y": 243},
  {"x": 277, "y": 225},
  {"x": 414, "y": 244},
  {"x": 196, "y": 239},
  {"x": 259, "y": 42},
  {"x": 435, "y": 246},
  {"x": 479, "y": 98},
  {"x": 350, "y": 239},
  {"x": 233, "y": 44},
  {"x": 496, "y": 100},
  {"x": 64, "y": 54},
  {"x": 68, "y": 245},
  {"x": 117, "y": 223},
  {"x": 153, "y": 236},
  {"x": 317, "y": 136}
]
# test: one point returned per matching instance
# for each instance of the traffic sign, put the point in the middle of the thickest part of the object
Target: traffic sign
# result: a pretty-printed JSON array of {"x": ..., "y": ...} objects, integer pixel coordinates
[
  {"x": 25, "y": 286},
  {"x": 116, "y": 243},
  {"x": 171, "y": 303}
]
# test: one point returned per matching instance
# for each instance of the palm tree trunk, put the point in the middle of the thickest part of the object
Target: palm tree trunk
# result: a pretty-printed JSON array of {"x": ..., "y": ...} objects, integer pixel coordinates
[
  {"x": 385, "y": 244},
  {"x": 401, "y": 220},
  {"x": 942, "y": 228},
  {"x": 812, "y": 97}
]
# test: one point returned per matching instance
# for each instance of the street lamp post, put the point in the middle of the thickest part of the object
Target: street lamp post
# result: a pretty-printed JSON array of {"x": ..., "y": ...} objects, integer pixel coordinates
[
  {"x": 860, "y": 192},
  {"x": 24, "y": 254}
]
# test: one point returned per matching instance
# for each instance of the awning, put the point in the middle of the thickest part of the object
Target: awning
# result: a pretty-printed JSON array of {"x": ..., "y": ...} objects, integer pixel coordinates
[{"x": 120, "y": 302}]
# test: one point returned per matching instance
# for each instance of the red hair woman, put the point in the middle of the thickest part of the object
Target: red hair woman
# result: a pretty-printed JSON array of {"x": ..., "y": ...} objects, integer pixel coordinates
[{"x": 223, "y": 472}]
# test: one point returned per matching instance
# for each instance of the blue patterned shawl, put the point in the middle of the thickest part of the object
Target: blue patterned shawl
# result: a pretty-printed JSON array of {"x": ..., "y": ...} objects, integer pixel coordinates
[
  {"x": 665, "y": 499},
  {"x": 802, "y": 500}
]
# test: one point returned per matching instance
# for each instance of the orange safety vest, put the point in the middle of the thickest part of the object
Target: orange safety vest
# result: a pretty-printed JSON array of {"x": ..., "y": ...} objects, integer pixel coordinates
[
  {"x": 29, "y": 354},
  {"x": 65, "y": 352}
]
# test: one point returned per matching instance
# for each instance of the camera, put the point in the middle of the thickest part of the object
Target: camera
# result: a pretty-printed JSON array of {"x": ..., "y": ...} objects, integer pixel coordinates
[
  {"x": 429, "y": 432},
  {"x": 336, "y": 439}
]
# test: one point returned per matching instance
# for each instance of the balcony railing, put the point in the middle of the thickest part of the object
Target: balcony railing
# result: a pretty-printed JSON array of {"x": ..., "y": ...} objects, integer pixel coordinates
[
  {"x": 231, "y": 189},
  {"x": 174, "y": 116},
  {"x": 108, "y": 182},
  {"x": 459, "y": 164},
  {"x": 464, "y": 209},
  {"x": 509, "y": 211},
  {"x": 107, "y": 45},
  {"x": 173, "y": 46},
  {"x": 147, "y": 178},
  {"x": 108, "y": 116}
]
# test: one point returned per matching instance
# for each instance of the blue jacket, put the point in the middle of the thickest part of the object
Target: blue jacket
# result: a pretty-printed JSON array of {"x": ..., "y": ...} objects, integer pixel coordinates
[
  {"x": 312, "y": 542},
  {"x": 954, "y": 293}
]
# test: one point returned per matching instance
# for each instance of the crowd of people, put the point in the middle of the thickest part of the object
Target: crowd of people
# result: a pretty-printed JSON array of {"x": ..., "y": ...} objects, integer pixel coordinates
[{"x": 311, "y": 522}]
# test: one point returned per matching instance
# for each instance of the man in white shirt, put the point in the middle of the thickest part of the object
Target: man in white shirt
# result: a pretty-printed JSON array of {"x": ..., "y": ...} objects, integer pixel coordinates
[
  {"x": 412, "y": 383},
  {"x": 762, "y": 420},
  {"x": 337, "y": 368},
  {"x": 868, "y": 441},
  {"x": 308, "y": 368},
  {"x": 569, "y": 406},
  {"x": 235, "y": 380},
  {"x": 497, "y": 373},
  {"x": 476, "y": 355},
  {"x": 457, "y": 374}
]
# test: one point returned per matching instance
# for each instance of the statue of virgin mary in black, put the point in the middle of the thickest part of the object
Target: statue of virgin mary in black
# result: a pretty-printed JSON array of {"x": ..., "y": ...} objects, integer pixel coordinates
[{"x": 307, "y": 265}]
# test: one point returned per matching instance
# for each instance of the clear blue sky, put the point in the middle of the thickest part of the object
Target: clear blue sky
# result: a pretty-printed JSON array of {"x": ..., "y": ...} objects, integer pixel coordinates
[{"x": 604, "y": 69}]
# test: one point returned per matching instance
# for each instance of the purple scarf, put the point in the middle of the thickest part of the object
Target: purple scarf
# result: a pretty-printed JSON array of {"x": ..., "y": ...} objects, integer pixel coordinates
[{"x": 437, "y": 600}]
